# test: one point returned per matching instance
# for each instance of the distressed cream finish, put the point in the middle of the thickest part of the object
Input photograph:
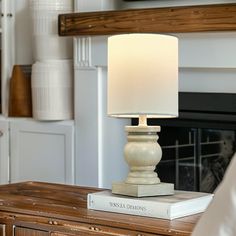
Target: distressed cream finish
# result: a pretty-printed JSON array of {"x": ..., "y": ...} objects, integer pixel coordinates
[{"x": 142, "y": 153}]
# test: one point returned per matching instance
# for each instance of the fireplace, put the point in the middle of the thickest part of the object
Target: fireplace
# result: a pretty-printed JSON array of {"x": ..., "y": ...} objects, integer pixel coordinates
[
  {"x": 198, "y": 146},
  {"x": 195, "y": 158}
]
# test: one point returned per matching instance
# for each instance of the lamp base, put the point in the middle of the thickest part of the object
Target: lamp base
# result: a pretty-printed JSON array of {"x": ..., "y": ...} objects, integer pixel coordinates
[{"x": 137, "y": 190}]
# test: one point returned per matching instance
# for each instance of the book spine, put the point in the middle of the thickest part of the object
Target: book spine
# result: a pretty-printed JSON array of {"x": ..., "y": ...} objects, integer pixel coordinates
[{"x": 128, "y": 206}]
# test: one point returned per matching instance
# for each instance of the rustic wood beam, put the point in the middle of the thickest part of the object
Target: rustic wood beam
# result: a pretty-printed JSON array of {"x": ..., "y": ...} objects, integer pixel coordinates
[{"x": 217, "y": 17}]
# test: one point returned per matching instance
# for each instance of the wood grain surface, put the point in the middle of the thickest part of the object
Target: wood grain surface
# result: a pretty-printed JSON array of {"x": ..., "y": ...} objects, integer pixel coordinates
[
  {"x": 217, "y": 17},
  {"x": 46, "y": 206}
]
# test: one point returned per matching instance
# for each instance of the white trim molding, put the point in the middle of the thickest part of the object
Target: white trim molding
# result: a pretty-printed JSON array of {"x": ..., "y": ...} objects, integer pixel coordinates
[
  {"x": 82, "y": 52},
  {"x": 99, "y": 139}
]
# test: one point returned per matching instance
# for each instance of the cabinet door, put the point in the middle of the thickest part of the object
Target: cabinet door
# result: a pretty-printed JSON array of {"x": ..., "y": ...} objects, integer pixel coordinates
[
  {"x": 4, "y": 152},
  {"x": 42, "y": 151},
  {"x": 20, "y": 231}
]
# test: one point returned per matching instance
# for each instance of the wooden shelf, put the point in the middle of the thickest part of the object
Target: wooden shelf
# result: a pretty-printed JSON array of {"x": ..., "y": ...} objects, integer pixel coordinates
[{"x": 217, "y": 17}]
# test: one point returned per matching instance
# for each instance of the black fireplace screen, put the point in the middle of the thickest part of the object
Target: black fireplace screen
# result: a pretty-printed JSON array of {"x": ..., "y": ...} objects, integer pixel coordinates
[{"x": 195, "y": 159}]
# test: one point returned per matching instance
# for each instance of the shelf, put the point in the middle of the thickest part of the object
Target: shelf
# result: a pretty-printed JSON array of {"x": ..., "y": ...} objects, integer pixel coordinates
[{"x": 217, "y": 17}]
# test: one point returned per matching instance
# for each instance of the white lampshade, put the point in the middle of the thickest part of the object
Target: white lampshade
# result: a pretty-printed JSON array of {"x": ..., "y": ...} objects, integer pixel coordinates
[{"x": 143, "y": 75}]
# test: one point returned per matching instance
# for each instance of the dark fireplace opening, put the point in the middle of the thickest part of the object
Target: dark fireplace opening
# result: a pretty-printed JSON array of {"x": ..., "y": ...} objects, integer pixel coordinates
[
  {"x": 198, "y": 145},
  {"x": 195, "y": 159}
]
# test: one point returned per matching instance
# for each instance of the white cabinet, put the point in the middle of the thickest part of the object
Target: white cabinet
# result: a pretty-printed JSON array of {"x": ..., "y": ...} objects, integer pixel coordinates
[
  {"x": 42, "y": 151},
  {"x": 29, "y": 150}
]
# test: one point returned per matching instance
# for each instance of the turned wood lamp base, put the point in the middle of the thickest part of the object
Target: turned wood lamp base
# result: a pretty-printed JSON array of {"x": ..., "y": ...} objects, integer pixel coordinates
[{"x": 142, "y": 154}]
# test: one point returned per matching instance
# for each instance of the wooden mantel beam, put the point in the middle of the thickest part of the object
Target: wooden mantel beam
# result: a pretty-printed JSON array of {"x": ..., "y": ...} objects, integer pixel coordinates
[{"x": 217, "y": 17}]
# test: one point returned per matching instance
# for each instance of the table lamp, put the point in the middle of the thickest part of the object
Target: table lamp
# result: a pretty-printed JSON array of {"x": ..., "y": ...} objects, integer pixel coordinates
[{"x": 142, "y": 83}]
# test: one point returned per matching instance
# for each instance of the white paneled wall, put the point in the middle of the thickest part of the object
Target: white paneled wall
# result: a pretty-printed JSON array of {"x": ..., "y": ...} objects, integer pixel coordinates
[
  {"x": 208, "y": 50},
  {"x": 207, "y": 62},
  {"x": 207, "y": 80}
]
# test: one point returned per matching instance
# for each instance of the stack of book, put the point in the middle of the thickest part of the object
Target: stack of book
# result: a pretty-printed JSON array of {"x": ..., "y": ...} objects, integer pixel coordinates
[{"x": 182, "y": 203}]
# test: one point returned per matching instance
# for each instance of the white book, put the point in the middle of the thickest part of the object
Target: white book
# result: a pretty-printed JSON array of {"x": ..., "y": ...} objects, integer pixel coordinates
[{"x": 182, "y": 203}]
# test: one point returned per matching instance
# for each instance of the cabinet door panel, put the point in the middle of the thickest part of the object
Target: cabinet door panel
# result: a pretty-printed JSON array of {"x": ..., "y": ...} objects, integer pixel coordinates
[
  {"x": 19, "y": 231},
  {"x": 42, "y": 151}
]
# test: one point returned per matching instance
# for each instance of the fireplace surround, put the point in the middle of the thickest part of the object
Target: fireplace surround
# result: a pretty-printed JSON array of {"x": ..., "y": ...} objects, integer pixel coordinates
[
  {"x": 198, "y": 146},
  {"x": 91, "y": 29}
]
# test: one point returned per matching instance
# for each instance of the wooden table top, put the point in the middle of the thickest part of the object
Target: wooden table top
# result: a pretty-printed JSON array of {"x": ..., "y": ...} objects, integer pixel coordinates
[{"x": 69, "y": 202}]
